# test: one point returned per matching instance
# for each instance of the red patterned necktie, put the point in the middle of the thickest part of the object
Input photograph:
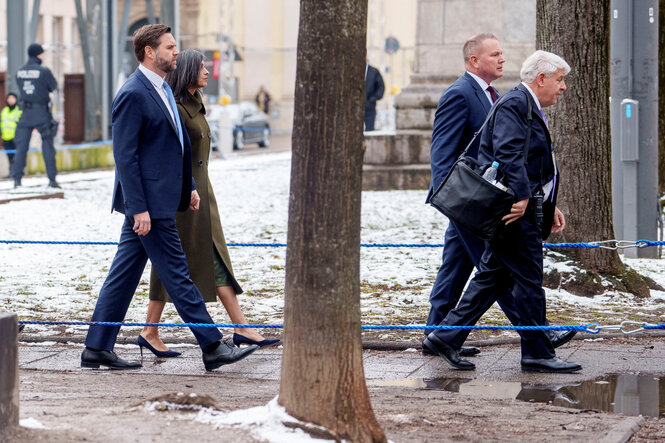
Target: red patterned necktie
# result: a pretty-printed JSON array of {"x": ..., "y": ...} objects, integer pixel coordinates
[{"x": 492, "y": 93}]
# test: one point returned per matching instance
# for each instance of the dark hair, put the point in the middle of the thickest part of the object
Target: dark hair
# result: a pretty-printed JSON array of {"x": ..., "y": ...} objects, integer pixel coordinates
[
  {"x": 186, "y": 74},
  {"x": 148, "y": 35},
  {"x": 471, "y": 45}
]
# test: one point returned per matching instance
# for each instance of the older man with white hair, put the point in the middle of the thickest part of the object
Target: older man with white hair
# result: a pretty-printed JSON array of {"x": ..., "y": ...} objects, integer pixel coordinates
[{"x": 513, "y": 258}]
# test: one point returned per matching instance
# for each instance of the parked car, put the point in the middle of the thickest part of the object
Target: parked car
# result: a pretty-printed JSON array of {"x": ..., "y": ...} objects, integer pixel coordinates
[{"x": 250, "y": 125}]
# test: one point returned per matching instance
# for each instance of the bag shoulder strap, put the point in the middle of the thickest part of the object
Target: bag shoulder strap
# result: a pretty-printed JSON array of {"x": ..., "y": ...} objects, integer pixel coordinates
[{"x": 529, "y": 119}]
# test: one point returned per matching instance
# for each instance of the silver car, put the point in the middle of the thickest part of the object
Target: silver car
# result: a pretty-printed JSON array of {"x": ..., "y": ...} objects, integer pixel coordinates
[{"x": 250, "y": 125}]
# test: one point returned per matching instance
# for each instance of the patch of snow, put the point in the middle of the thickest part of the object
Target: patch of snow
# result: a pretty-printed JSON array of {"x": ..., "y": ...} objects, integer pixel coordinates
[
  {"x": 31, "y": 423},
  {"x": 266, "y": 423}
]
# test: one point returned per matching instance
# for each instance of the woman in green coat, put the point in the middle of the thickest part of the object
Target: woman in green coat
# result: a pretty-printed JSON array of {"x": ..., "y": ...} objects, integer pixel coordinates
[{"x": 200, "y": 231}]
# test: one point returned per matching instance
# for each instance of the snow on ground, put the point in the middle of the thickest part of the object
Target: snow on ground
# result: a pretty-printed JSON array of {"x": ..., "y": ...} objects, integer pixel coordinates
[
  {"x": 31, "y": 423},
  {"x": 61, "y": 282},
  {"x": 266, "y": 423}
]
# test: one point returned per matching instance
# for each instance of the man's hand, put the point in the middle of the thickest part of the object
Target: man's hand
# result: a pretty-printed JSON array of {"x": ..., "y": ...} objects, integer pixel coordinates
[
  {"x": 194, "y": 201},
  {"x": 142, "y": 223},
  {"x": 559, "y": 222},
  {"x": 516, "y": 211}
]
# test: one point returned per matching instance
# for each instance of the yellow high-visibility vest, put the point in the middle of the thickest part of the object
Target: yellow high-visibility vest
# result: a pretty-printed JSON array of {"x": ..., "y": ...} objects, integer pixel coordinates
[{"x": 8, "y": 121}]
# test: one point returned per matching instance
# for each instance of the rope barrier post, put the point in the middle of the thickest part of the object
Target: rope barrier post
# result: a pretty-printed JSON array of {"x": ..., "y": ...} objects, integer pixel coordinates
[{"x": 9, "y": 400}]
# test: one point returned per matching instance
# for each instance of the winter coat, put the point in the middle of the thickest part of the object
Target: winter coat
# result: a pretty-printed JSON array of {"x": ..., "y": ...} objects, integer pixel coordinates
[{"x": 200, "y": 231}]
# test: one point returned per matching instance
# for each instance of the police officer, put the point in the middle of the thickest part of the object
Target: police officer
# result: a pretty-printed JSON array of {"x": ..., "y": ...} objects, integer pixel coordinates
[
  {"x": 8, "y": 121},
  {"x": 35, "y": 82}
]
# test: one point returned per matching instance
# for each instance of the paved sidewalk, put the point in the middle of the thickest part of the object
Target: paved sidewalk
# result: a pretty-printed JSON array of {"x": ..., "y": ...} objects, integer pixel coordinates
[{"x": 410, "y": 394}]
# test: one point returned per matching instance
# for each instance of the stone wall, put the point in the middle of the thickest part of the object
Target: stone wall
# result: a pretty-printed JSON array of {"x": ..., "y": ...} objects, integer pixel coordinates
[
  {"x": 401, "y": 160},
  {"x": 443, "y": 27},
  {"x": 97, "y": 156}
]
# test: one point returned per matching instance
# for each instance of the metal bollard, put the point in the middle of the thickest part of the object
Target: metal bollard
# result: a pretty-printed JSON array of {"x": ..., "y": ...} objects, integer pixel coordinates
[{"x": 9, "y": 400}]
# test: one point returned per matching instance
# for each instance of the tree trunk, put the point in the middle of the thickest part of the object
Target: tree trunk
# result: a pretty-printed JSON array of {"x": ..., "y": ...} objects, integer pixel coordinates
[
  {"x": 578, "y": 31},
  {"x": 322, "y": 379}
]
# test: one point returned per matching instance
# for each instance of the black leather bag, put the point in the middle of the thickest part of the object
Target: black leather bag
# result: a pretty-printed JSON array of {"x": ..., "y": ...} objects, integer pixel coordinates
[{"x": 469, "y": 200}]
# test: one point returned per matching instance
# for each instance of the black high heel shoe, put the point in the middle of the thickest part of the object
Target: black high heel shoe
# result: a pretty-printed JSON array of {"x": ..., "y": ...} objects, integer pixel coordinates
[
  {"x": 241, "y": 339},
  {"x": 143, "y": 343}
]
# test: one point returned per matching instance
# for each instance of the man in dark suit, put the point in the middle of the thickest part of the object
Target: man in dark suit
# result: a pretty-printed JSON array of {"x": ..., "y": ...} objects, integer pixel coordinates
[
  {"x": 513, "y": 258},
  {"x": 461, "y": 112},
  {"x": 374, "y": 89},
  {"x": 153, "y": 180}
]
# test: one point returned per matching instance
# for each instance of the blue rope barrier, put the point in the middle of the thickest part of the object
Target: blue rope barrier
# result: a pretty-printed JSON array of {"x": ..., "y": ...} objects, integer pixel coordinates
[
  {"x": 590, "y": 328},
  {"x": 647, "y": 243},
  {"x": 570, "y": 245},
  {"x": 654, "y": 326},
  {"x": 638, "y": 243}
]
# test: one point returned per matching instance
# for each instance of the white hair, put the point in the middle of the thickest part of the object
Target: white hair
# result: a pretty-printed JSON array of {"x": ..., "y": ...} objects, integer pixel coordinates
[{"x": 542, "y": 61}]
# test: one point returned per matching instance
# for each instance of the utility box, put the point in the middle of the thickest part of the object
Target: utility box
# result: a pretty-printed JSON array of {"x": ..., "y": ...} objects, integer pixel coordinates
[
  {"x": 74, "y": 109},
  {"x": 630, "y": 140},
  {"x": 634, "y": 121}
]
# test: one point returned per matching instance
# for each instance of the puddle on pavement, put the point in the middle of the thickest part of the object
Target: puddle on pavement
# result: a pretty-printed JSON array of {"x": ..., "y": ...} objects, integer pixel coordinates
[{"x": 629, "y": 394}]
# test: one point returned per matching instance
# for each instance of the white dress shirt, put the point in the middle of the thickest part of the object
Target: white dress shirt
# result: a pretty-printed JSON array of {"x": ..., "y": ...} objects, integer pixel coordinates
[
  {"x": 547, "y": 187},
  {"x": 158, "y": 82},
  {"x": 483, "y": 84}
]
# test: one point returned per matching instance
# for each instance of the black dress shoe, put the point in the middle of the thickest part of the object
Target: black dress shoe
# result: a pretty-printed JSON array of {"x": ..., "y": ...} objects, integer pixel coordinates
[
  {"x": 94, "y": 359},
  {"x": 437, "y": 346},
  {"x": 225, "y": 354},
  {"x": 465, "y": 351},
  {"x": 54, "y": 184},
  {"x": 560, "y": 338},
  {"x": 554, "y": 364}
]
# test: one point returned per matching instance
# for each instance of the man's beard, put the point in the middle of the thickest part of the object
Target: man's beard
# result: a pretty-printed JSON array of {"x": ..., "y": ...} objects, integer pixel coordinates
[{"x": 163, "y": 64}]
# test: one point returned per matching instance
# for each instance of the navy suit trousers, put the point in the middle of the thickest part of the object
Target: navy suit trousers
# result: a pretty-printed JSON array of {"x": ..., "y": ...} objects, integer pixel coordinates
[
  {"x": 162, "y": 246},
  {"x": 462, "y": 251},
  {"x": 370, "y": 117},
  {"x": 512, "y": 262},
  {"x": 39, "y": 118}
]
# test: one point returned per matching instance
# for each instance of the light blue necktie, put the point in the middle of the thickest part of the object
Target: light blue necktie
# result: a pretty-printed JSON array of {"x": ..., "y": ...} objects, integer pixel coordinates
[{"x": 174, "y": 108}]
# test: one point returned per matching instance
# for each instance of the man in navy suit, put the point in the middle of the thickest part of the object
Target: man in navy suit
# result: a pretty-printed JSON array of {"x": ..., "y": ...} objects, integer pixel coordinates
[
  {"x": 153, "y": 180},
  {"x": 374, "y": 89},
  {"x": 461, "y": 112},
  {"x": 513, "y": 258}
]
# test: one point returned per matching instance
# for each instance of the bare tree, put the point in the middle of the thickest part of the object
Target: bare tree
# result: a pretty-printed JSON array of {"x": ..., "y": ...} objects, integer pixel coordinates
[
  {"x": 322, "y": 379},
  {"x": 579, "y": 30}
]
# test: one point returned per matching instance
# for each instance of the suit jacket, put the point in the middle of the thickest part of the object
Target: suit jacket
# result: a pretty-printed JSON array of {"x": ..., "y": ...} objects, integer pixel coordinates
[
  {"x": 461, "y": 112},
  {"x": 374, "y": 87},
  {"x": 152, "y": 172},
  {"x": 503, "y": 140}
]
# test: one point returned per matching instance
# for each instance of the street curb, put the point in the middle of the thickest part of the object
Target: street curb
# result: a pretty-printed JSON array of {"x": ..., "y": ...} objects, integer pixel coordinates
[{"x": 623, "y": 431}]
